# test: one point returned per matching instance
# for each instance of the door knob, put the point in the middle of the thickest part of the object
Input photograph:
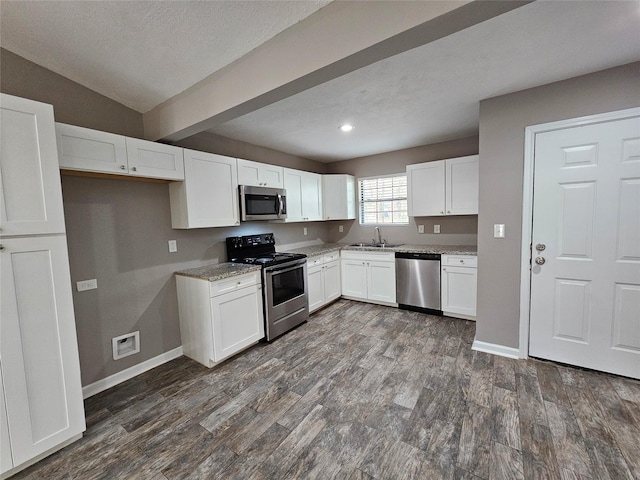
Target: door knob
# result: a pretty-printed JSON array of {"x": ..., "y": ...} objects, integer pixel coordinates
[
  {"x": 540, "y": 247},
  {"x": 540, "y": 260}
]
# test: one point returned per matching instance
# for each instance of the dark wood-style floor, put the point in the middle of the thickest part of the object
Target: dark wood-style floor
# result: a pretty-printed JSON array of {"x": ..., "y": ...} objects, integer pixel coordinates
[{"x": 360, "y": 392}]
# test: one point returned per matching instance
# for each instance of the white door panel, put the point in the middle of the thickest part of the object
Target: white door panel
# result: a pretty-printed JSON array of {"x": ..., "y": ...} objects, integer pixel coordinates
[{"x": 585, "y": 298}]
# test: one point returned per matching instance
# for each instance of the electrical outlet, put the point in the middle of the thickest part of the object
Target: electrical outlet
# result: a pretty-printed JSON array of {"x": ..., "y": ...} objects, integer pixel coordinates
[
  {"x": 341, "y": 228},
  {"x": 498, "y": 230},
  {"x": 420, "y": 228},
  {"x": 436, "y": 229},
  {"x": 87, "y": 285},
  {"x": 173, "y": 246},
  {"x": 304, "y": 231}
]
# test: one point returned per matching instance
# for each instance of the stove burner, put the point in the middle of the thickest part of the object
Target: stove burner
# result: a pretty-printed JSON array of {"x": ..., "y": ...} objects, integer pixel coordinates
[{"x": 257, "y": 250}]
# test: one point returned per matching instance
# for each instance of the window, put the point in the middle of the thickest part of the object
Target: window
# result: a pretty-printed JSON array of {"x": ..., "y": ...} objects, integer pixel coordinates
[{"x": 383, "y": 200}]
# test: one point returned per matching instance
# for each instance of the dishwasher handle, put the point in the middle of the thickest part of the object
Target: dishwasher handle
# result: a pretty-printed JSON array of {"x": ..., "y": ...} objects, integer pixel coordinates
[{"x": 419, "y": 256}]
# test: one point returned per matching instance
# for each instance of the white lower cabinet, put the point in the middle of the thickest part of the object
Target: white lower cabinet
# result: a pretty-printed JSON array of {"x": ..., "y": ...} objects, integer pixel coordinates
[
  {"x": 6, "y": 460},
  {"x": 369, "y": 276},
  {"x": 219, "y": 319},
  {"x": 323, "y": 280},
  {"x": 459, "y": 285},
  {"x": 43, "y": 407}
]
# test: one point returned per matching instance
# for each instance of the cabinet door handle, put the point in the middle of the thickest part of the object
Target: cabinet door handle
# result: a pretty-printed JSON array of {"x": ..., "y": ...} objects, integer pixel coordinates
[
  {"x": 1, "y": 247},
  {"x": 441, "y": 212},
  {"x": 135, "y": 169},
  {"x": 122, "y": 167}
]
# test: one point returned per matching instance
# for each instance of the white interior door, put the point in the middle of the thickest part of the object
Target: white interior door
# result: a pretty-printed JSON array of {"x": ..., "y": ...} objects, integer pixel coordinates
[{"x": 585, "y": 297}]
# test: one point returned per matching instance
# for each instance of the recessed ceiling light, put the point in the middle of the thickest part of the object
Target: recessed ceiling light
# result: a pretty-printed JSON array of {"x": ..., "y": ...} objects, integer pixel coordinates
[{"x": 346, "y": 127}]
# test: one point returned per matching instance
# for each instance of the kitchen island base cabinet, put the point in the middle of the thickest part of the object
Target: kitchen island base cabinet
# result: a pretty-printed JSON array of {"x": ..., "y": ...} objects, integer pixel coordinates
[
  {"x": 369, "y": 276},
  {"x": 459, "y": 284},
  {"x": 219, "y": 319},
  {"x": 323, "y": 280}
]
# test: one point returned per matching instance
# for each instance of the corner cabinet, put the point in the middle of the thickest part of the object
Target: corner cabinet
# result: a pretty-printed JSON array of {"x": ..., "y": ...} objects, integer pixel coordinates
[
  {"x": 260, "y": 174},
  {"x": 459, "y": 285},
  {"x": 221, "y": 318},
  {"x": 323, "y": 280},
  {"x": 369, "y": 276},
  {"x": 338, "y": 197},
  {"x": 208, "y": 197},
  {"x": 304, "y": 196},
  {"x": 87, "y": 150},
  {"x": 444, "y": 187},
  {"x": 42, "y": 405}
]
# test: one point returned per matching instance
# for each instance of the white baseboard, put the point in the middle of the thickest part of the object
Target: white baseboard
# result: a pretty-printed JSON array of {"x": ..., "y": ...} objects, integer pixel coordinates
[
  {"x": 495, "y": 349},
  {"x": 124, "y": 375}
]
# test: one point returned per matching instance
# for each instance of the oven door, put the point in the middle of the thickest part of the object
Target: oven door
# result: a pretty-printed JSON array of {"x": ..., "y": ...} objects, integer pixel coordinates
[
  {"x": 261, "y": 203},
  {"x": 285, "y": 289}
]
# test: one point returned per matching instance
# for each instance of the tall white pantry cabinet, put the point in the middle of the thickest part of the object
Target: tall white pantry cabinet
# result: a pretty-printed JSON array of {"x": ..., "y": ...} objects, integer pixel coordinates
[{"x": 41, "y": 405}]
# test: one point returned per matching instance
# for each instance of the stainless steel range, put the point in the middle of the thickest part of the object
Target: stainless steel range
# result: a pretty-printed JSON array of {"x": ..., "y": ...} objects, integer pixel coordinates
[{"x": 284, "y": 275}]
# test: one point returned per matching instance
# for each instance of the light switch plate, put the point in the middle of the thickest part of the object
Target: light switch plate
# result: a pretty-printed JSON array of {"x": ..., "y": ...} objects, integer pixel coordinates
[
  {"x": 436, "y": 229},
  {"x": 420, "y": 228},
  {"x": 173, "y": 246},
  {"x": 341, "y": 228},
  {"x": 498, "y": 230},
  {"x": 304, "y": 231}
]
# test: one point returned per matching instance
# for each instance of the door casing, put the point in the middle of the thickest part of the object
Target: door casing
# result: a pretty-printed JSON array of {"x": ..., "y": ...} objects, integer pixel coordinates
[{"x": 527, "y": 206}]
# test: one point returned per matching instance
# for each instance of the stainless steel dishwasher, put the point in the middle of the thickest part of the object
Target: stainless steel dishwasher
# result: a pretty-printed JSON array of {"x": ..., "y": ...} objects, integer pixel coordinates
[{"x": 418, "y": 282}]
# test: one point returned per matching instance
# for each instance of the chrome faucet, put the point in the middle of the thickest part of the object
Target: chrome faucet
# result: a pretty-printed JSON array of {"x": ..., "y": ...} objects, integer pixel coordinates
[{"x": 377, "y": 231}]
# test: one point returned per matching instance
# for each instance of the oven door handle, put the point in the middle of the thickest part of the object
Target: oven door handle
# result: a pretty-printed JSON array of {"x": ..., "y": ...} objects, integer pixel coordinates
[{"x": 276, "y": 270}]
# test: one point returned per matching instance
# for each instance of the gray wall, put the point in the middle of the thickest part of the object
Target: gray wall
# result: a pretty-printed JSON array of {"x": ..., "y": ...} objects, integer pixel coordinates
[
  {"x": 502, "y": 123},
  {"x": 73, "y": 103},
  {"x": 460, "y": 229},
  {"x": 209, "y": 142},
  {"x": 117, "y": 230}
]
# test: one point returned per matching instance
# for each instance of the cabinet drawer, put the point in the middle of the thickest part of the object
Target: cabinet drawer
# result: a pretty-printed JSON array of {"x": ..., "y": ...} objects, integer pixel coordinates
[
  {"x": 233, "y": 283},
  {"x": 460, "y": 260},
  {"x": 313, "y": 261},
  {"x": 330, "y": 257},
  {"x": 369, "y": 256}
]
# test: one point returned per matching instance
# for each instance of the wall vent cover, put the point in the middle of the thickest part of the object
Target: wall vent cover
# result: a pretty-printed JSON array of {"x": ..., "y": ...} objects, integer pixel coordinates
[{"x": 125, "y": 345}]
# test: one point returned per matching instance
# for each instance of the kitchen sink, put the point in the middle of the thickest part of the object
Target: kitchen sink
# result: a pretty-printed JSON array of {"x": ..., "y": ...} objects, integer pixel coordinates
[{"x": 375, "y": 245}]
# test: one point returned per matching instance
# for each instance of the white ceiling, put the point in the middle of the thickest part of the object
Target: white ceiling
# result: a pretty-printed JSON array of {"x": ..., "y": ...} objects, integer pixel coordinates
[{"x": 142, "y": 53}]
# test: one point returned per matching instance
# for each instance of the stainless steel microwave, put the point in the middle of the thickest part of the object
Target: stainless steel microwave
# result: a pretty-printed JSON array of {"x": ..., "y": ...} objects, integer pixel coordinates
[{"x": 262, "y": 203}]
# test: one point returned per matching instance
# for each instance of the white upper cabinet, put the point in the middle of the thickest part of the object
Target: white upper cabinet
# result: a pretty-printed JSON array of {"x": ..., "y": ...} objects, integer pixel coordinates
[
  {"x": 30, "y": 188},
  {"x": 445, "y": 187},
  {"x": 89, "y": 150},
  {"x": 154, "y": 160},
  {"x": 462, "y": 185},
  {"x": 425, "y": 185},
  {"x": 338, "y": 197},
  {"x": 208, "y": 197},
  {"x": 304, "y": 195},
  {"x": 260, "y": 174}
]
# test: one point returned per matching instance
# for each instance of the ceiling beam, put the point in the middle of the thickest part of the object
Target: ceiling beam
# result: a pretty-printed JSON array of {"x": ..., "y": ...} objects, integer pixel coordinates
[{"x": 338, "y": 39}]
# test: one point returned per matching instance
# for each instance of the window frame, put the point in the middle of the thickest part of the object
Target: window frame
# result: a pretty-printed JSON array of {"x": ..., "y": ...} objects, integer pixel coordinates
[{"x": 361, "y": 204}]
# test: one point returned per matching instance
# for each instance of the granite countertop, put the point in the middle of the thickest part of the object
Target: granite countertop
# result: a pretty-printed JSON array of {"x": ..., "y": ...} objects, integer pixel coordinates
[
  {"x": 218, "y": 271},
  {"x": 315, "y": 250},
  {"x": 442, "y": 249}
]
